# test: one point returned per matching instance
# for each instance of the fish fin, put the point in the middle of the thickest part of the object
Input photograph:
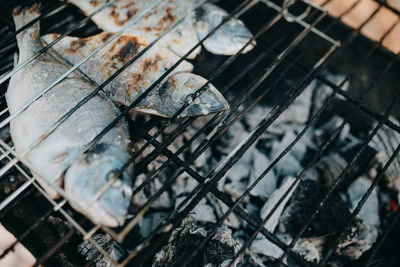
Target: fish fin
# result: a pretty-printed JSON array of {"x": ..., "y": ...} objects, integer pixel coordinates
[{"x": 24, "y": 15}]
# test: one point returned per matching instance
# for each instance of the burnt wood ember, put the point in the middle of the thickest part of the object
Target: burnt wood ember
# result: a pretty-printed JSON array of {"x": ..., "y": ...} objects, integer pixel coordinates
[
  {"x": 304, "y": 201},
  {"x": 219, "y": 250}
]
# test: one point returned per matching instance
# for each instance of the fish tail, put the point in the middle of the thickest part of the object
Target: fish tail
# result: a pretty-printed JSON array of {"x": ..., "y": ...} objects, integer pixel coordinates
[
  {"x": 24, "y": 15},
  {"x": 28, "y": 39}
]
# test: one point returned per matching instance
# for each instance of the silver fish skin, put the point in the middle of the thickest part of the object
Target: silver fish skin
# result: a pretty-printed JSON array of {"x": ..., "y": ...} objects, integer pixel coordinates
[
  {"x": 140, "y": 75},
  {"x": 227, "y": 40},
  {"x": 113, "y": 17},
  {"x": 47, "y": 160}
]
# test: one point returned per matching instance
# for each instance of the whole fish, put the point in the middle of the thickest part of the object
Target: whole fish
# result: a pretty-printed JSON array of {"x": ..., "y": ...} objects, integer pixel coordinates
[
  {"x": 227, "y": 40},
  {"x": 166, "y": 99},
  {"x": 88, "y": 172}
]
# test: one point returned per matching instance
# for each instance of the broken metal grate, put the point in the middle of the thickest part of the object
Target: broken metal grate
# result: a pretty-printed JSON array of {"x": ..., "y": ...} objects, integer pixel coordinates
[{"x": 293, "y": 52}]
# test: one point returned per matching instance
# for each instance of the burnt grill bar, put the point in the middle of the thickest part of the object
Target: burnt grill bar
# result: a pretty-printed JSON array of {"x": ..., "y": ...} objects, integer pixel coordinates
[{"x": 220, "y": 123}]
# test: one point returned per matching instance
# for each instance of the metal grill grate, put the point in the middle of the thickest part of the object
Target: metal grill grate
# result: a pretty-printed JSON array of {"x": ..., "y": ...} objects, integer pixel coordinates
[{"x": 295, "y": 48}]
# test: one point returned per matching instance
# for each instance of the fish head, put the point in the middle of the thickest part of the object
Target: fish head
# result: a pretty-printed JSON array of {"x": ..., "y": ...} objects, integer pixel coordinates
[
  {"x": 169, "y": 97},
  {"x": 91, "y": 174},
  {"x": 229, "y": 38}
]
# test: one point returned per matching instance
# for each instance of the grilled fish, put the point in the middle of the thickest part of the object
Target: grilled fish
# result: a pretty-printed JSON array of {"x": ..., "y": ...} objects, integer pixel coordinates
[
  {"x": 227, "y": 40},
  {"x": 48, "y": 159},
  {"x": 166, "y": 99}
]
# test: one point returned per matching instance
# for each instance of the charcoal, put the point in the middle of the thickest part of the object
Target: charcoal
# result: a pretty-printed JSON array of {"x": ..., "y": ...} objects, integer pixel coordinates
[
  {"x": 268, "y": 183},
  {"x": 310, "y": 248},
  {"x": 321, "y": 91},
  {"x": 164, "y": 201},
  {"x": 385, "y": 142},
  {"x": 149, "y": 222},
  {"x": 237, "y": 178},
  {"x": 282, "y": 192},
  {"x": 184, "y": 184},
  {"x": 331, "y": 166},
  {"x": 322, "y": 133},
  {"x": 114, "y": 250},
  {"x": 220, "y": 209},
  {"x": 290, "y": 164},
  {"x": 369, "y": 212},
  {"x": 298, "y": 112},
  {"x": 358, "y": 239},
  {"x": 305, "y": 201},
  {"x": 261, "y": 245},
  {"x": 202, "y": 212},
  {"x": 219, "y": 250}
]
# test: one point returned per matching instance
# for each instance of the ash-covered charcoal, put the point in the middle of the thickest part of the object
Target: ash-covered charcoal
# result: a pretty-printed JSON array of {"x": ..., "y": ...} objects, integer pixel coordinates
[
  {"x": 268, "y": 183},
  {"x": 321, "y": 91},
  {"x": 202, "y": 212},
  {"x": 284, "y": 192},
  {"x": 164, "y": 201},
  {"x": 219, "y": 251},
  {"x": 310, "y": 249},
  {"x": 150, "y": 222},
  {"x": 237, "y": 178},
  {"x": 322, "y": 133},
  {"x": 304, "y": 201},
  {"x": 232, "y": 137},
  {"x": 358, "y": 239},
  {"x": 261, "y": 245},
  {"x": 290, "y": 164},
  {"x": 331, "y": 166},
  {"x": 115, "y": 251},
  {"x": 385, "y": 142},
  {"x": 220, "y": 209},
  {"x": 369, "y": 212}
]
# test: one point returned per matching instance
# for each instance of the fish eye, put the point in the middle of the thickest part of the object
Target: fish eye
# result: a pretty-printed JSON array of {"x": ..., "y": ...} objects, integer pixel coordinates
[{"x": 110, "y": 175}]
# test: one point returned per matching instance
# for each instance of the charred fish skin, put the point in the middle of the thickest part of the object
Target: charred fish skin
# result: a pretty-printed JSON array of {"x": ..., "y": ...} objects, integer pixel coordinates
[
  {"x": 113, "y": 17},
  {"x": 141, "y": 74},
  {"x": 53, "y": 154},
  {"x": 227, "y": 40}
]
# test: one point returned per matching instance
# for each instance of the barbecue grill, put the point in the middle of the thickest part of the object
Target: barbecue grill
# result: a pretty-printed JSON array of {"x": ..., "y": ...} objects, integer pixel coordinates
[{"x": 297, "y": 43}]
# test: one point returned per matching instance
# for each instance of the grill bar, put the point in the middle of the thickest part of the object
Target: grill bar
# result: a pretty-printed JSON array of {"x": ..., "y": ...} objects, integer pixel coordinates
[{"x": 220, "y": 123}]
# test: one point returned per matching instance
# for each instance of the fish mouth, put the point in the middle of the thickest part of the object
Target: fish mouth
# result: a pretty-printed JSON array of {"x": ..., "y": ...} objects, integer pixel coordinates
[
  {"x": 106, "y": 216},
  {"x": 243, "y": 40},
  {"x": 210, "y": 101}
]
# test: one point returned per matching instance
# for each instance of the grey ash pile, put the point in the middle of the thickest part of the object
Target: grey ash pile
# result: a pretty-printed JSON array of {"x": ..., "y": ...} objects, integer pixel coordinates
[{"x": 297, "y": 205}]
